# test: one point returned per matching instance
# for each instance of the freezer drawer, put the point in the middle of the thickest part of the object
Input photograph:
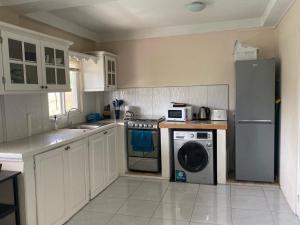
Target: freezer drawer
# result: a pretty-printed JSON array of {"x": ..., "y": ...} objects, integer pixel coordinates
[{"x": 255, "y": 151}]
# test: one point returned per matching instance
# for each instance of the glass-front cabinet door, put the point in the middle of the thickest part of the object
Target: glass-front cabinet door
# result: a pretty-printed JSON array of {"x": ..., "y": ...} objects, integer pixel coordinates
[
  {"x": 21, "y": 63},
  {"x": 56, "y": 69},
  {"x": 110, "y": 72}
]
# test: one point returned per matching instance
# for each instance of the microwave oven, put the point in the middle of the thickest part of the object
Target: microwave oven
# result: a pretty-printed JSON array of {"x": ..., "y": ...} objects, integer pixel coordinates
[{"x": 179, "y": 114}]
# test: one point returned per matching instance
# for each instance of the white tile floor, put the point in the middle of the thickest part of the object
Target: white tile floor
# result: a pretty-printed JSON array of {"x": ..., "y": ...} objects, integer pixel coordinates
[{"x": 132, "y": 201}]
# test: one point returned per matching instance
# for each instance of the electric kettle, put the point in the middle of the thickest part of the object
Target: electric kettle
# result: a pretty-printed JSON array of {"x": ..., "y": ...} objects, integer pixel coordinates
[{"x": 204, "y": 113}]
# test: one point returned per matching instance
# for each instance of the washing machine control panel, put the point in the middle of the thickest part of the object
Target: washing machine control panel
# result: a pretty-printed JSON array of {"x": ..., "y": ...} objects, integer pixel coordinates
[{"x": 193, "y": 135}]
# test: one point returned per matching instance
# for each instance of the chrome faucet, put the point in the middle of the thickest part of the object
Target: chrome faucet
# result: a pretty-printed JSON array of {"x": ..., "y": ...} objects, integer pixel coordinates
[{"x": 69, "y": 123}]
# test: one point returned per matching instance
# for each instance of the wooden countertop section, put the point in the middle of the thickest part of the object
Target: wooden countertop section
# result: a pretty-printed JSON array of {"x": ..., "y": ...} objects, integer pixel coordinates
[{"x": 195, "y": 124}]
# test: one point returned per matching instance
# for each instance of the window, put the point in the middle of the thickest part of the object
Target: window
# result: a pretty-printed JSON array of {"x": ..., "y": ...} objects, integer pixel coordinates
[
  {"x": 55, "y": 101},
  {"x": 62, "y": 102}
]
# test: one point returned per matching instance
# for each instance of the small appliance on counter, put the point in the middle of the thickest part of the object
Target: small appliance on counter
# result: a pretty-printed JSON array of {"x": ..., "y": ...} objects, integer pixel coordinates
[
  {"x": 204, "y": 113},
  {"x": 218, "y": 115},
  {"x": 180, "y": 114}
]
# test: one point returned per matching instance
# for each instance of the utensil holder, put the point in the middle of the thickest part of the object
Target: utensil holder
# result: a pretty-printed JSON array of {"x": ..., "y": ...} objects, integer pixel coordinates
[{"x": 117, "y": 114}]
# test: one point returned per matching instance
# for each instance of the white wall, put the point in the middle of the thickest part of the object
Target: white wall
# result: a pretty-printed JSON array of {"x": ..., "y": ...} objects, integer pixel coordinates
[{"x": 289, "y": 54}]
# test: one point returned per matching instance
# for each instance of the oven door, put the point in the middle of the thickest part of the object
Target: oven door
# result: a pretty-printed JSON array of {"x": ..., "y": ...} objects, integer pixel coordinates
[{"x": 144, "y": 161}]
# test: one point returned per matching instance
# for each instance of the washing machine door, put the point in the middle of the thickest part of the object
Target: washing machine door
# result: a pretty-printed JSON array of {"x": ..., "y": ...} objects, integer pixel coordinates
[{"x": 193, "y": 157}]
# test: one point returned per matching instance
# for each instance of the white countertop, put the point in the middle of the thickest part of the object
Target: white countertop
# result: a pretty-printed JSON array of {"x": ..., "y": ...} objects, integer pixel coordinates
[{"x": 29, "y": 146}]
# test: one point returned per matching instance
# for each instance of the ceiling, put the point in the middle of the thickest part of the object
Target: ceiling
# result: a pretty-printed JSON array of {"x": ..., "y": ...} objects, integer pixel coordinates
[{"x": 110, "y": 20}]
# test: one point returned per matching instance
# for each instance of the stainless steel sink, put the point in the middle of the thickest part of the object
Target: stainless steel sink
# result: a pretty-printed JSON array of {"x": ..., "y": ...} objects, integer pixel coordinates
[
  {"x": 103, "y": 123},
  {"x": 90, "y": 126},
  {"x": 85, "y": 127}
]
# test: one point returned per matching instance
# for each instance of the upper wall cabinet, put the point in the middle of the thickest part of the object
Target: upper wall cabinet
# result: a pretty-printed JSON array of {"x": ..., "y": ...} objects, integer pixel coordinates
[
  {"x": 55, "y": 63},
  {"x": 100, "y": 74},
  {"x": 33, "y": 62},
  {"x": 21, "y": 62}
]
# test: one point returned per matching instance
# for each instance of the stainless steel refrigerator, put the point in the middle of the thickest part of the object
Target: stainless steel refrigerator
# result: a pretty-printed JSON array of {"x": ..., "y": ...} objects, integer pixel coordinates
[{"x": 254, "y": 121}]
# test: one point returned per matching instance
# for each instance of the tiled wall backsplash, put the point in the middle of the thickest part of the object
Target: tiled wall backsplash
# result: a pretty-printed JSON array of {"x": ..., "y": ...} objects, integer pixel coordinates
[{"x": 155, "y": 101}]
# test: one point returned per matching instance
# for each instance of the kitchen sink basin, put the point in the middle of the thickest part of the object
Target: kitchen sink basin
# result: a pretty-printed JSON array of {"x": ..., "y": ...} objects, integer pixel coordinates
[
  {"x": 90, "y": 126},
  {"x": 85, "y": 127},
  {"x": 103, "y": 123}
]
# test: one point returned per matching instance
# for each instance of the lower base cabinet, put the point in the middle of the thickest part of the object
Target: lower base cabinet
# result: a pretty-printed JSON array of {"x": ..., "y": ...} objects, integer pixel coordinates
[
  {"x": 62, "y": 182},
  {"x": 67, "y": 177},
  {"x": 50, "y": 187},
  {"x": 103, "y": 160},
  {"x": 97, "y": 156},
  {"x": 77, "y": 177}
]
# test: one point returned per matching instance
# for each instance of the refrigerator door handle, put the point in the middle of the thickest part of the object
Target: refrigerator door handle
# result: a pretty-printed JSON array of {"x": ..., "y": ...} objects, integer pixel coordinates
[{"x": 256, "y": 121}]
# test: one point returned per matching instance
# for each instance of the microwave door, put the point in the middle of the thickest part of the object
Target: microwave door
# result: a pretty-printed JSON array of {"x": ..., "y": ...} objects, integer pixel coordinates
[{"x": 176, "y": 115}]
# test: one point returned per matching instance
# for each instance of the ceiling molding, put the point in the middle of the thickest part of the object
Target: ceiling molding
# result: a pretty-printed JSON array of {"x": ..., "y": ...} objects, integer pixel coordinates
[
  {"x": 47, "y": 6},
  {"x": 65, "y": 25},
  {"x": 16, "y": 2},
  {"x": 272, "y": 15},
  {"x": 182, "y": 30},
  {"x": 275, "y": 11}
]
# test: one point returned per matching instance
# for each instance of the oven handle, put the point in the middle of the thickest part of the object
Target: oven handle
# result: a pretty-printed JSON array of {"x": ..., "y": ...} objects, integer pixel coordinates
[{"x": 152, "y": 131}]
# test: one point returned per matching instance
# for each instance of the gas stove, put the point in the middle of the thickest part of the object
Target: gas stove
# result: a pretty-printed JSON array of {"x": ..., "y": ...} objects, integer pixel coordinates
[{"x": 145, "y": 122}]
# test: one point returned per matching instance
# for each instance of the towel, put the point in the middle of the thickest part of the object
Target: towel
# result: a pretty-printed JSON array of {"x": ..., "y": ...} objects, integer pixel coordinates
[{"x": 141, "y": 141}]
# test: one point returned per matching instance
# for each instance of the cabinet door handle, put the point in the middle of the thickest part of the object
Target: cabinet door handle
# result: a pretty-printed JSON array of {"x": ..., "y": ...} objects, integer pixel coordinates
[
  {"x": 255, "y": 121},
  {"x": 67, "y": 148},
  {"x": 105, "y": 132},
  {"x": 46, "y": 87},
  {"x": 42, "y": 87}
]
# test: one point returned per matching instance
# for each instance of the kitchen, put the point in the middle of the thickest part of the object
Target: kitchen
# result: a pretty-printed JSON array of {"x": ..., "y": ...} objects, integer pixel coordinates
[{"x": 151, "y": 66}]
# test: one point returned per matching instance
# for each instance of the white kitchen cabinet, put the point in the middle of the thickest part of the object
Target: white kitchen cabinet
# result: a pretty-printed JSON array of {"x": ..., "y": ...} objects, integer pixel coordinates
[
  {"x": 103, "y": 160},
  {"x": 32, "y": 61},
  {"x": 51, "y": 178},
  {"x": 100, "y": 74},
  {"x": 21, "y": 62},
  {"x": 97, "y": 156},
  {"x": 77, "y": 183},
  {"x": 62, "y": 182},
  {"x": 112, "y": 157},
  {"x": 55, "y": 63},
  {"x": 110, "y": 71}
]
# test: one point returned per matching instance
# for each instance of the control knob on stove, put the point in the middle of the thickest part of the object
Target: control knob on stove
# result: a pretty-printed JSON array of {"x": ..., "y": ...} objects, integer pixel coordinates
[
  {"x": 140, "y": 125},
  {"x": 150, "y": 125}
]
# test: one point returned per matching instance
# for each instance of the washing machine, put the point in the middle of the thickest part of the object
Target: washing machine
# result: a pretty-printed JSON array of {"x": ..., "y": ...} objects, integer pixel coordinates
[{"x": 194, "y": 157}]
